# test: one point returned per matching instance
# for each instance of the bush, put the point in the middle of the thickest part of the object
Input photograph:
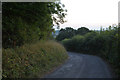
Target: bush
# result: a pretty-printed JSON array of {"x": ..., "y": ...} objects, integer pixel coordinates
[
  {"x": 32, "y": 60},
  {"x": 74, "y": 44},
  {"x": 68, "y": 44}
]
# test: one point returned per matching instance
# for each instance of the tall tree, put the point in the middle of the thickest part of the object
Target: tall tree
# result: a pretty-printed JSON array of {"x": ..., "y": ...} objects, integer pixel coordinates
[{"x": 27, "y": 22}]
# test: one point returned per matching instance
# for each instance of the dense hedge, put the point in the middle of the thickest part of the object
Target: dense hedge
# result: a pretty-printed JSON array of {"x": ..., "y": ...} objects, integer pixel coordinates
[
  {"x": 103, "y": 43},
  {"x": 32, "y": 60}
]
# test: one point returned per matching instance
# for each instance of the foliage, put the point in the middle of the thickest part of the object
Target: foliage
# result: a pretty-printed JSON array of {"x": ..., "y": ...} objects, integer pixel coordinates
[
  {"x": 23, "y": 33},
  {"x": 82, "y": 31},
  {"x": 65, "y": 33},
  {"x": 103, "y": 43},
  {"x": 68, "y": 43},
  {"x": 32, "y": 60},
  {"x": 28, "y": 22},
  {"x": 24, "y": 25},
  {"x": 69, "y": 32}
]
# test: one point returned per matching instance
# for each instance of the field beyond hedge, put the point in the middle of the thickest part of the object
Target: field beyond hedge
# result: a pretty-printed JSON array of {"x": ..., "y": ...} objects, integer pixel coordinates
[{"x": 32, "y": 60}]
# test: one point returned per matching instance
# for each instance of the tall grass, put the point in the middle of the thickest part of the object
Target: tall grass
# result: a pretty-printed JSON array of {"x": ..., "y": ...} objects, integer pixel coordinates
[{"x": 32, "y": 60}]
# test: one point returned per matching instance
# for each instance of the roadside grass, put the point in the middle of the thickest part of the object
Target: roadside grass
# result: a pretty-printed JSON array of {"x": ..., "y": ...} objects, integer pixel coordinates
[{"x": 32, "y": 60}]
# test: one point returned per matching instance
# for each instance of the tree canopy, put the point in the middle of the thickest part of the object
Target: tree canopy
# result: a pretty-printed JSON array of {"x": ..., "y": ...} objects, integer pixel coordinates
[
  {"x": 82, "y": 31},
  {"x": 28, "y": 22},
  {"x": 69, "y": 32}
]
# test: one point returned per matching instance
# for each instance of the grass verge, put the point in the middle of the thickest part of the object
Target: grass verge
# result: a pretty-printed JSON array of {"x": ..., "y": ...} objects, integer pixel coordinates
[{"x": 32, "y": 60}]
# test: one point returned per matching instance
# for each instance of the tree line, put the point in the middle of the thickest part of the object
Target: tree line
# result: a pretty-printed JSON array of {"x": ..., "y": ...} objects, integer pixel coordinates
[{"x": 69, "y": 32}]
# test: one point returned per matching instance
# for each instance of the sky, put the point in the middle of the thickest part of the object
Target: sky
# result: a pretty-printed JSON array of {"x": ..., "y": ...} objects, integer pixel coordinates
[{"x": 90, "y": 13}]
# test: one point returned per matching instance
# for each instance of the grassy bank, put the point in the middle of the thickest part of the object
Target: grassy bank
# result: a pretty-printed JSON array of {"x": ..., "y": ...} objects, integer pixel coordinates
[{"x": 32, "y": 60}]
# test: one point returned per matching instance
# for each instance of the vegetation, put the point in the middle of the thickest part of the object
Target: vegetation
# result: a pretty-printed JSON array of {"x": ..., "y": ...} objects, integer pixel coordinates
[
  {"x": 69, "y": 32},
  {"x": 26, "y": 28},
  {"x": 103, "y": 43},
  {"x": 29, "y": 22},
  {"x": 32, "y": 60}
]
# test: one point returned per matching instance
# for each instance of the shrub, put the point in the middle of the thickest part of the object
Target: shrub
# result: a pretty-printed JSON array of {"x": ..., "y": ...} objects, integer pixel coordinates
[
  {"x": 32, "y": 60},
  {"x": 74, "y": 44}
]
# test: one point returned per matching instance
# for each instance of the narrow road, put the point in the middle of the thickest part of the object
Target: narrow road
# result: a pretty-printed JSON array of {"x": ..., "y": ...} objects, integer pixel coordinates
[{"x": 81, "y": 66}]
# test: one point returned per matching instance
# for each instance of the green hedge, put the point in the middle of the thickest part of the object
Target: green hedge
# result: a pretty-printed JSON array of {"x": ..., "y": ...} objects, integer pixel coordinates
[
  {"x": 32, "y": 60},
  {"x": 103, "y": 44}
]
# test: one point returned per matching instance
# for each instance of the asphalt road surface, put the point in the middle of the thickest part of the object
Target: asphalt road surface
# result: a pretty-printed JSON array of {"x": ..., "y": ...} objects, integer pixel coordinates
[{"x": 81, "y": 66}]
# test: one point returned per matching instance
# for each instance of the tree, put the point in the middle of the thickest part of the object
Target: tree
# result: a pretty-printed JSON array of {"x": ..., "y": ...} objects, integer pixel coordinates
[
  {"x": 68, "y": 32},
  {"x": 82, "y": 31},
  {"x": 28, "y": 22}
]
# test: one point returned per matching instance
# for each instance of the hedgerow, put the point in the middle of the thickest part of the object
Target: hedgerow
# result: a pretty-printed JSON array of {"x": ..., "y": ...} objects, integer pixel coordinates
[{"x": 103, "y": 43}]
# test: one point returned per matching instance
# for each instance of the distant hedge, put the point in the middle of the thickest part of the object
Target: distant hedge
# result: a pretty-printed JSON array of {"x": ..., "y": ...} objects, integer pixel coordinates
[{"x": 32, "y": 60}]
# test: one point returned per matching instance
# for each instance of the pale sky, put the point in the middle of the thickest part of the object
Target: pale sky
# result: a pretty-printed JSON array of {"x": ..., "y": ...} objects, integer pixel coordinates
[{"x": 90, "y": 13}]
